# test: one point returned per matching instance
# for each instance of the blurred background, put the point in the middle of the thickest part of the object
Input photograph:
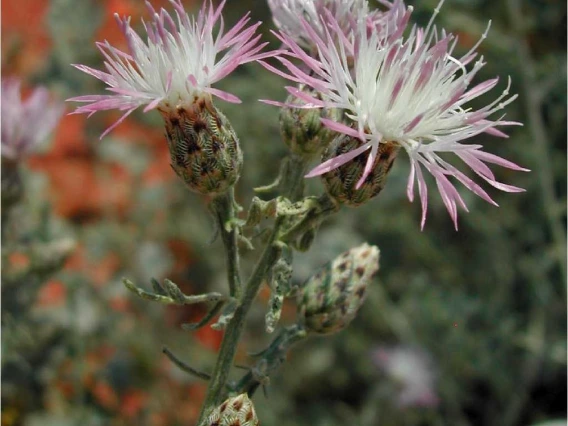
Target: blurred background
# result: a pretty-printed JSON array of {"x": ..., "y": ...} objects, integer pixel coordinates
[{"x": 459, "y": 328}]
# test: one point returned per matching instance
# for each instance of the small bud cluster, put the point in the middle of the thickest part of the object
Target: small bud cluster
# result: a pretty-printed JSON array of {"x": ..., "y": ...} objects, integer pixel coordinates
[{"x": 330, "y": 299}]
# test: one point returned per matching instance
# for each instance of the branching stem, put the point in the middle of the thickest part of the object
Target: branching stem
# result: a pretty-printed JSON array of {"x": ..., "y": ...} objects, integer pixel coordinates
[{"x": 291, "y": 184}]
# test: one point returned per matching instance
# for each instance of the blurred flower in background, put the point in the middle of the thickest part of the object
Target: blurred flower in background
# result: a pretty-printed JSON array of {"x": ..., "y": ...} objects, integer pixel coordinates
[
  {"x": 412, "y": 371},
  {"x": 26, "y": 123}
]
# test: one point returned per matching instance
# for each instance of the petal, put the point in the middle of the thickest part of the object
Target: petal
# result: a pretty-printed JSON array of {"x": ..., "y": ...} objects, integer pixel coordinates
[
  {"x": 341, "y": 128},
  {"x": 411, "y": 177},
  {"x": 223, "y": 95},
  {"x": 368, "y": 165},
  {"x": 120, "y": 120},
  {"x": 152, "y": 104},
  {"x": 423, "y": 191},
  {"x": 338, "y": 161},
  {"x": 495, "y": 159}
]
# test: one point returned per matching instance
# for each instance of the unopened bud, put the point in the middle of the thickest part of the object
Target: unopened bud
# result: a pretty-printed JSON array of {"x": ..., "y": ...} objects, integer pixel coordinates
[
  {"x": 204, "y": 148},
  {"x": 340, "y": 183},
  {"x": 236, "y": 411},
  {"x": 302, "y": 129},
  {"x": 330, "y": 299}
]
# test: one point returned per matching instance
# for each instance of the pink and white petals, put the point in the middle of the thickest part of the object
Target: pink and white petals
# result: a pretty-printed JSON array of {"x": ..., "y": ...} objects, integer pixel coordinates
[
  {"x": 409, "y": 90},
  {"x": 178, "y": 62}
]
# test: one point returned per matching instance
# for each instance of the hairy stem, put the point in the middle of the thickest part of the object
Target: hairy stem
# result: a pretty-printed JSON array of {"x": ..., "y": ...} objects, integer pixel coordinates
[{"x": 223, "y": 208}]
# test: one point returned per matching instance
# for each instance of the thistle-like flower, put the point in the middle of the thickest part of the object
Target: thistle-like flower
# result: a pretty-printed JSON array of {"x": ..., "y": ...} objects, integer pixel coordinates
[
  {"x": 301, "y": 128},
  {"x": 175, "y": 66},
  {"x": 26, "y": 124},
  {"x": 173, "y": 71},
  {"x": 407, "y": 91}
]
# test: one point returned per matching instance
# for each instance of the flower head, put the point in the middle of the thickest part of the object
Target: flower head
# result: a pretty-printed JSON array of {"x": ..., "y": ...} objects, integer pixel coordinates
[
  {"x": 176, "y": 65},
  {"x": 410, "y": 91},
  {"x": 25, "y": 124}
]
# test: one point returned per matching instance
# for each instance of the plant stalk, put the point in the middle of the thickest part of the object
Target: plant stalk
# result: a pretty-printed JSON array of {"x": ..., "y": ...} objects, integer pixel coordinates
[
  {"x": 291, "y": 186},
  {"x": 224, "y": 210}
]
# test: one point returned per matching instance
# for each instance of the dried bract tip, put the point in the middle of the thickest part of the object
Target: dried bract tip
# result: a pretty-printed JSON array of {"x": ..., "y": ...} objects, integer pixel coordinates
[
  {"x": 204, "y": 148},
  {"x": 330, "y": 299},
  {"x": 302, "y": 129},
  {"x": 236, "y": 411},
  {"x": 343, "y": 183}
]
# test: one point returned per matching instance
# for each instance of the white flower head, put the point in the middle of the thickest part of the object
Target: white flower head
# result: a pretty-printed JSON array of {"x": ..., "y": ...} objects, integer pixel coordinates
[
  {"x": 178, "y": 62},
  {"x": 408, "y": 90}
]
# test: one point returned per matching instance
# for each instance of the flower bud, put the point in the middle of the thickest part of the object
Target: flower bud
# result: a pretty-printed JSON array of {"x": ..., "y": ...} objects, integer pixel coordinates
[
  {"x": 301, "y": 128},
  {"x": 340, "y": 182},
  {"x": 204, "y": 148},
  {"x": 329, "y": 300},
  {"x": 236, "y": 411}
]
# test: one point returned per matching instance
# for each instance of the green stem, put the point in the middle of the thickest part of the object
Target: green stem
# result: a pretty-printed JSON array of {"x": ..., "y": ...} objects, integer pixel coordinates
[
  {"x": 292, "y": 186},
  {"x": 235, "y": 326},
  {"x": 224, "y": 210},
  {"x": 292, "y": 179}
]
